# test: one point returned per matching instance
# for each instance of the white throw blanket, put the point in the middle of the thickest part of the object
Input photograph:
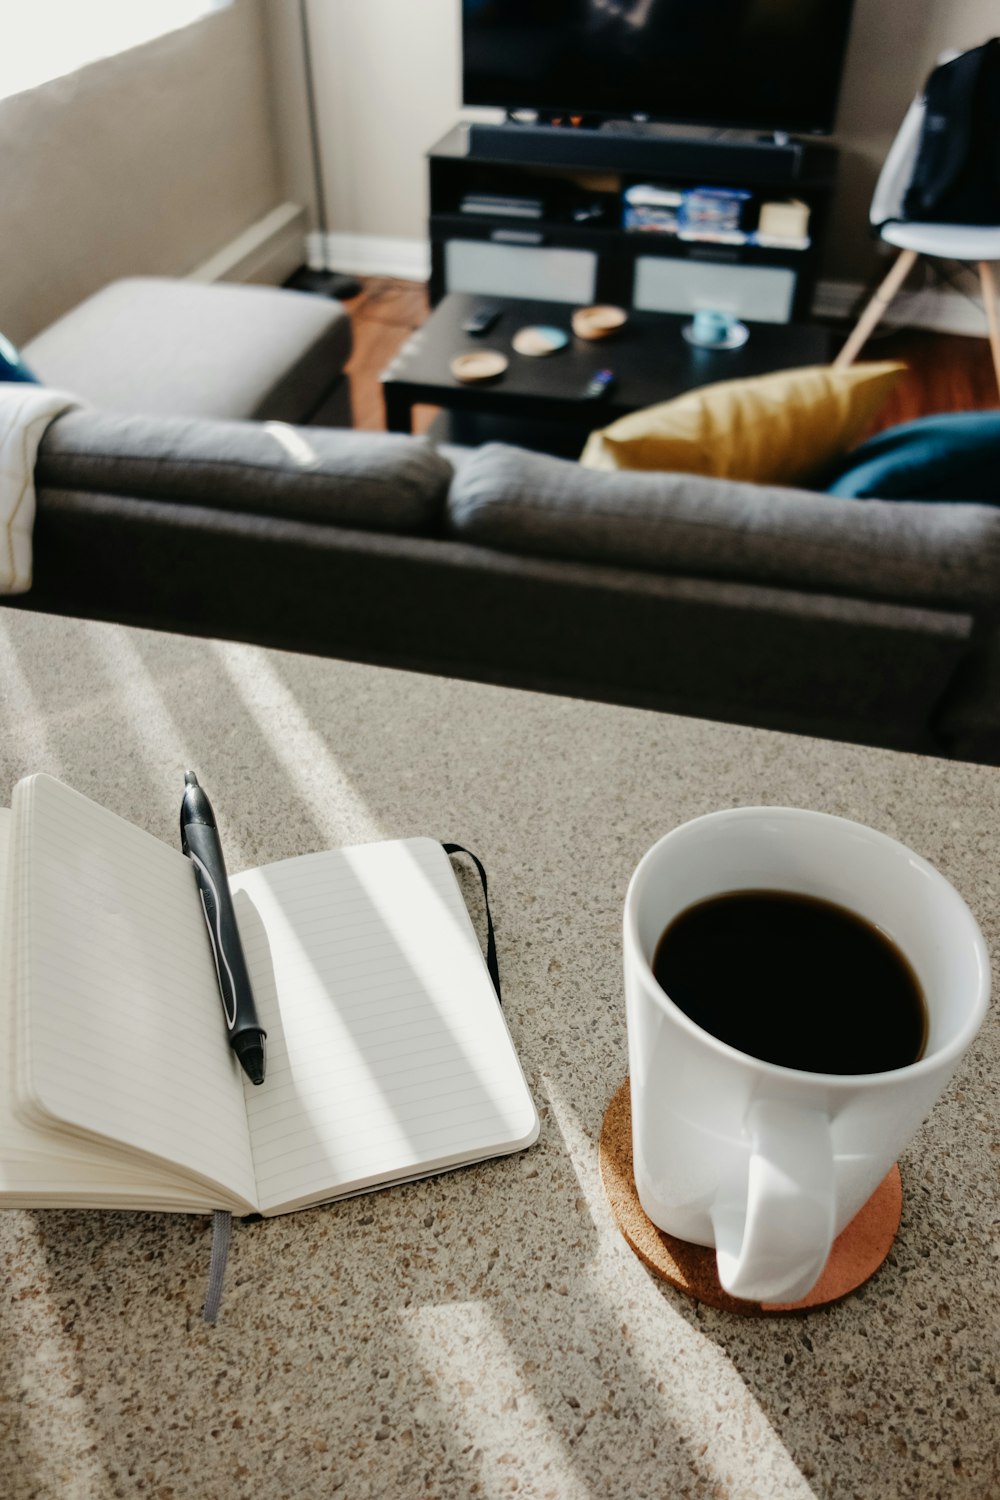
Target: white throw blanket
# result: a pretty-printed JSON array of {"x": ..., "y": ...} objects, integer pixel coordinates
[{"x": 25, "y": 412}]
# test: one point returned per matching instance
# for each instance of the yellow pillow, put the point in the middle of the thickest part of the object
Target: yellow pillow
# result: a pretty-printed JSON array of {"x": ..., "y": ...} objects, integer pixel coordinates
[{"x": 774, "y": 429}]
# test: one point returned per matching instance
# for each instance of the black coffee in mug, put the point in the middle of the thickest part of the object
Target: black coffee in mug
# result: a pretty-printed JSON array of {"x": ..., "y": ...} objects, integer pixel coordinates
[{"x": 794, "y": 980}]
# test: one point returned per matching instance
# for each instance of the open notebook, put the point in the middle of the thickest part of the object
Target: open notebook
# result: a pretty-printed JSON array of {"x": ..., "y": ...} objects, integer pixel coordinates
[{"x": 388, "y": 1055}]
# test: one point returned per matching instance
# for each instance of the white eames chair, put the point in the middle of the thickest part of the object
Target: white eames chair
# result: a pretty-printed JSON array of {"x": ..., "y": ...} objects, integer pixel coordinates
[{"x": 965, "y": 242}]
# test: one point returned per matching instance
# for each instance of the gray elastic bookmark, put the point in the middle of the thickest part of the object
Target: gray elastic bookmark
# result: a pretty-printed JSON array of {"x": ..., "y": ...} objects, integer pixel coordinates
[{"x": 222, "y": 1222}]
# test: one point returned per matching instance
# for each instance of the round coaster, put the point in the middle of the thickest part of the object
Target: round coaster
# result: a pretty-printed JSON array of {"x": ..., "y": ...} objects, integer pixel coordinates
[
  {"x": 856, "y": 1255},
  {"x": 482, "y": 364},
  {"x": 598, "y": 322},
  {"x": 538, "y": 339},
  {"x": 737, "y": 337}
]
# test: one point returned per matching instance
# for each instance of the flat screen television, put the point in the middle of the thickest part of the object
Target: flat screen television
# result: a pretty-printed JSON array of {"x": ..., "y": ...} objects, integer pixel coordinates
[{"x": 753, "y": 64}]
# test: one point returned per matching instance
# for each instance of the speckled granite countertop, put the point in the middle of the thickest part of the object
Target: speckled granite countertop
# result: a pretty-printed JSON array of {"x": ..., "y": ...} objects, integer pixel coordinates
[{"x": 488, "y": 1332}]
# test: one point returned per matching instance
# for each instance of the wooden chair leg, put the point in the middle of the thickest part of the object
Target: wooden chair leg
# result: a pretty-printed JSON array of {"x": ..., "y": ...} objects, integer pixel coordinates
[
  {"x": 992, "y": 320},
  {"x": 875, "y": 309}
]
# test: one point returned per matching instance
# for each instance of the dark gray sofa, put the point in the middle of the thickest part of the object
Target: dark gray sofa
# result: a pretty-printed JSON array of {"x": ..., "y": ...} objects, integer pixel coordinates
[{"x": 863, "y": 620}]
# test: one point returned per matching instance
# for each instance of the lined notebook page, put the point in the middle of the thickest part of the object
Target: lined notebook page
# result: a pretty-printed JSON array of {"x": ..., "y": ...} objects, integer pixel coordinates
[
  {"x": 118, "y": 1007},
  {"x": 40, "y": 1168},
  {"x": 388, "y": 1055}
]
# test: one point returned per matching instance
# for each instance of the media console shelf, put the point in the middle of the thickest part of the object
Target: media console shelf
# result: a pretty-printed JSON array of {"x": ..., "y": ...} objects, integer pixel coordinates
[{"x": 538, "y": 211}]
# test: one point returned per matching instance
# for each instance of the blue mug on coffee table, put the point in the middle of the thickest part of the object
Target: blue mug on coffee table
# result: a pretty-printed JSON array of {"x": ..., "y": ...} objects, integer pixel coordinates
[{"x": 711, "y": 329}]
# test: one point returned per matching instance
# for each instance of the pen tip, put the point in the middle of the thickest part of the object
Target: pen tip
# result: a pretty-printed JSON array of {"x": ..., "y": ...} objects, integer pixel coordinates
[
  {"x": 250, "y": 1051},
  {"x": 190, "y": 779}
]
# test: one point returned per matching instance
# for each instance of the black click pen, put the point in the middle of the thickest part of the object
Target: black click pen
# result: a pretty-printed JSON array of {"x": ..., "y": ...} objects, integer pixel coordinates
[{"x": 200, "y": 842}]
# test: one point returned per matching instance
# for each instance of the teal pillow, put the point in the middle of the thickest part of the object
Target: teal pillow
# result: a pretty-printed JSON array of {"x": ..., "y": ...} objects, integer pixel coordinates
[
  {"x": 12, "y": 366},
  {"x": 953, "y": 456}
]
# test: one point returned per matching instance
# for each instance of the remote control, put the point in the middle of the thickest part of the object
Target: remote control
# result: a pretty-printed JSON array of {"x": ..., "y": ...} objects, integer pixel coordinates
[
  {"x": 598, "y": 385},
  {"x": 481, "y": 319}
]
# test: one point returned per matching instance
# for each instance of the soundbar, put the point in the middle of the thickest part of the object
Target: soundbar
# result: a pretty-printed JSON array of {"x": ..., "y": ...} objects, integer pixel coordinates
[{"x": 643, "y": 149}]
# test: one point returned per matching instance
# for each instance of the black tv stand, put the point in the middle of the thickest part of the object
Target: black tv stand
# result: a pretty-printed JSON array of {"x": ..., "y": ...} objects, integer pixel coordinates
[{"x": 530, "y": 210}]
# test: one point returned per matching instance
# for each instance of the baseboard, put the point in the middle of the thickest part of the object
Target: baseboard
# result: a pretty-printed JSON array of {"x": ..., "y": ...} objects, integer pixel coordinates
[
  {"x": 937, "y": 309},
  {"x": 379, "y": 255},
  {"x": 267, "y": 252}
]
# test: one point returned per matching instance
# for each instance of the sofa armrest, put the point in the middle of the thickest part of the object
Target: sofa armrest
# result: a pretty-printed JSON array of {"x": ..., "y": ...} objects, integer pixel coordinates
[
  {"x": 914, "y": 552},
  {"x": 370, "y": 480}
]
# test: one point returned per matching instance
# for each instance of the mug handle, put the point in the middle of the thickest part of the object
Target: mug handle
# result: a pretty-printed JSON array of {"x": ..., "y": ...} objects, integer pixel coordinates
[{"x": 772, "y": 1246}]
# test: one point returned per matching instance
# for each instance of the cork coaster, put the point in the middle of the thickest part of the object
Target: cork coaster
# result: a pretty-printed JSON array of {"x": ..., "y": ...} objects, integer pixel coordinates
[
  {"x": 598, "y": 322},
  {"x": 856, "y": 1255},
  {"x": 482, "y": 364}
]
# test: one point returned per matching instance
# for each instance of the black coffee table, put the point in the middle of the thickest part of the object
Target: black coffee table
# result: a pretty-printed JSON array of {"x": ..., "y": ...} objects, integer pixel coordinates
[{"x": 539, "y": 402}]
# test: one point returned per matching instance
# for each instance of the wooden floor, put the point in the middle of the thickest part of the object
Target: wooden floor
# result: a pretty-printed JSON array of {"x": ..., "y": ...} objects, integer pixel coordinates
[
  {"x": 946, "y": 372},
  {"x": 383, "y": 317}
]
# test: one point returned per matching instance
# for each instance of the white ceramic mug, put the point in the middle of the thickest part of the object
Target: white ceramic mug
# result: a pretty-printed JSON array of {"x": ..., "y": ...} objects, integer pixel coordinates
[{"x": 768, "y": 1163}]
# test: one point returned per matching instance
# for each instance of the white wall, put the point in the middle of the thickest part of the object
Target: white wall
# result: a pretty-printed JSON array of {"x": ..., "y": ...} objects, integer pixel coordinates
[
  {"x": 388, "y": 78},
  {"x": 145, "y": 163},
  {"x": 388, "y": 85},
  {"x": 392, "y": 87}
]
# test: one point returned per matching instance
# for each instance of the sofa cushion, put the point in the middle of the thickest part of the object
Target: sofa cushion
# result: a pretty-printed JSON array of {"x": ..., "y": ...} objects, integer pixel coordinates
[
  {"x": 374, "y": 481},
  {"x": 153, "y": 345},
  {"x": 952, "y": 456},
  {"x": 784, "y": 428},
  {"x": 688, "y": 524}
]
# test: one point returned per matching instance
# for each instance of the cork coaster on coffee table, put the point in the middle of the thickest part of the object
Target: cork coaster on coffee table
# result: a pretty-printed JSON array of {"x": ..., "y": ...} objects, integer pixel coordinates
[{"x": 856, "y": 1255}]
